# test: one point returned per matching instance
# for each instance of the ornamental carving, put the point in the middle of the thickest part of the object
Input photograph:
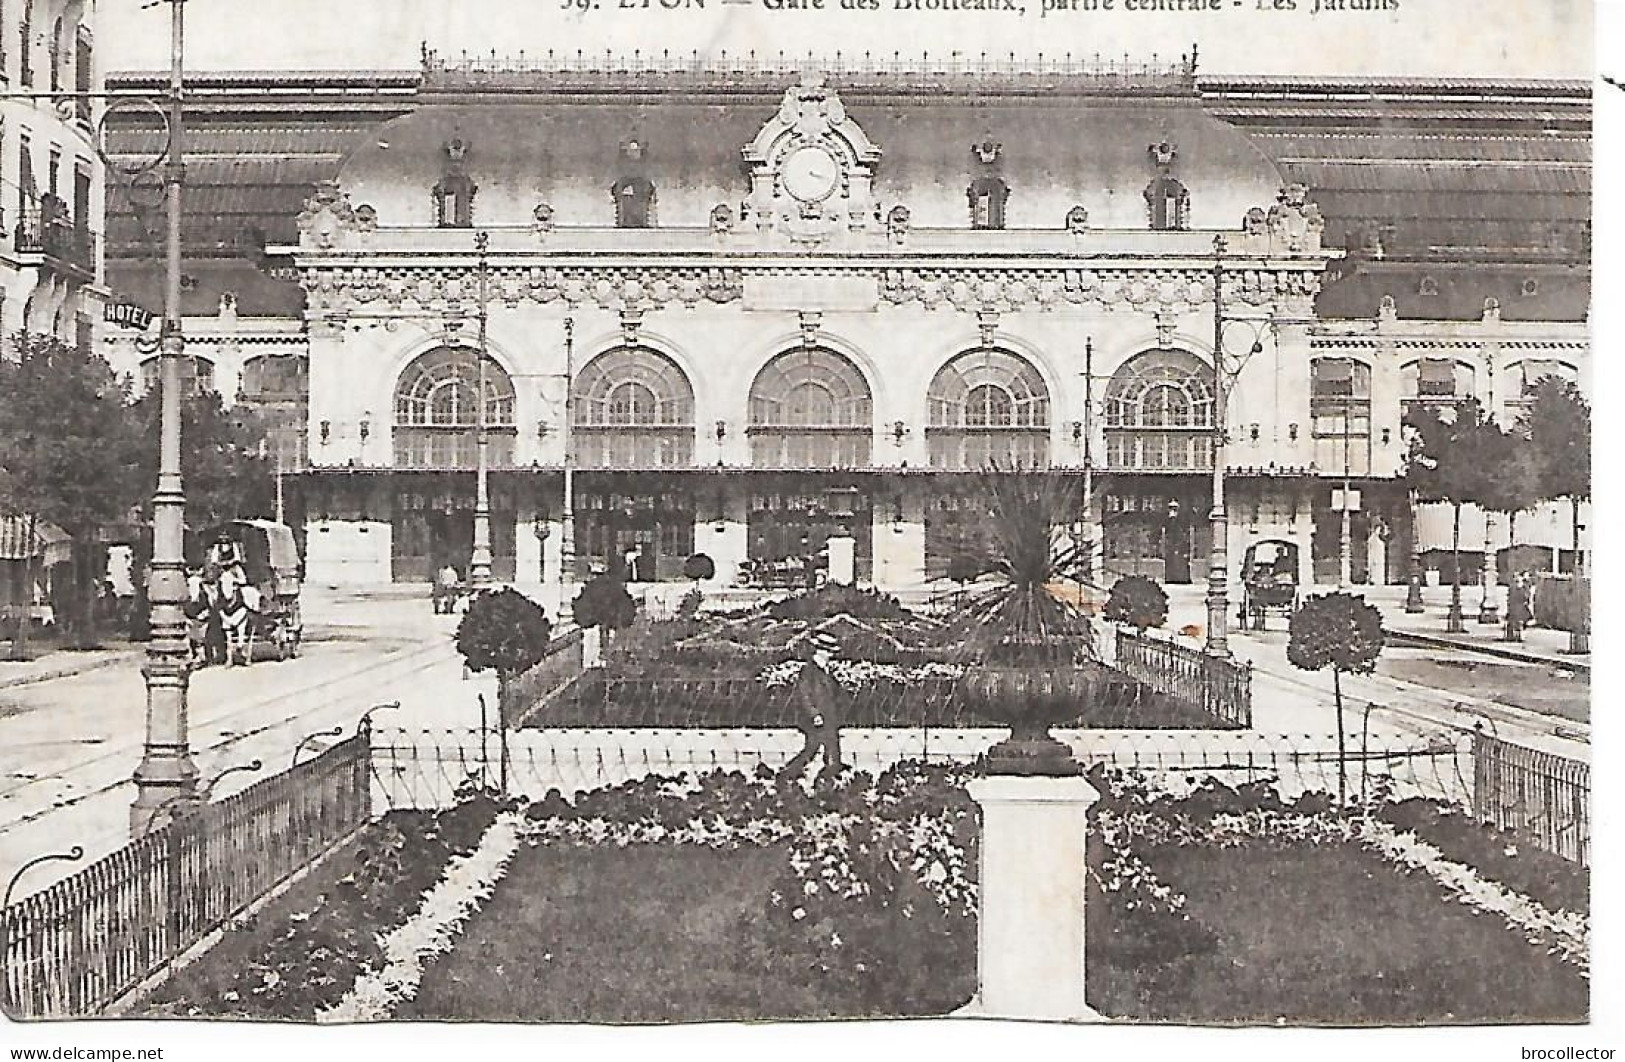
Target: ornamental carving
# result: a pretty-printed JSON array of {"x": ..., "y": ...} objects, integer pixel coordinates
[
  {"x": 326, "y": 216},
  {"x": 1153, "y": 290},
  {"x": 811, "y": 168},
  {"x": 1295, "y": 222},
  {"x": 452, "y": 290}
]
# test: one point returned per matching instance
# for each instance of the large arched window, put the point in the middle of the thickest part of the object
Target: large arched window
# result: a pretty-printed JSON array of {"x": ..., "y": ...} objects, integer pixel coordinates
[
  {"x": 633, "y": 408},
  {"x": 810, "y": 408},
  {"x": 1159, "y": 413},
  {"x": 437, "y": 415},
  {"x": 988, "y": 408}
]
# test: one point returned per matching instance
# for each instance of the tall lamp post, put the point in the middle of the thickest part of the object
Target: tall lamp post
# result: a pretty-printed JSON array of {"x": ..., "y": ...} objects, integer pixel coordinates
[
  {"x": 1218, "y": 582},
  {"x": 167, "y": 777},
  {"x": 567, "y": 537},
  {"x": 1089, "y": 544},
  {"x": 1218, "y": 577},
  {"x": 479, "y": 564}
]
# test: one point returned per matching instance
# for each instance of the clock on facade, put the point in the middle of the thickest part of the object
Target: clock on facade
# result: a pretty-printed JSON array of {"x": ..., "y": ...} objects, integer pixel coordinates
[{"x": 810, "y": 174}]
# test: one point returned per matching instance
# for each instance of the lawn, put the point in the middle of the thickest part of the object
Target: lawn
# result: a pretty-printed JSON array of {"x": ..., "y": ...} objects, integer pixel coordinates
[
  {"x": 1333, "y": 935},
  {"x": 1528, "y": 686},
  {"x": 638, "y": 934}
]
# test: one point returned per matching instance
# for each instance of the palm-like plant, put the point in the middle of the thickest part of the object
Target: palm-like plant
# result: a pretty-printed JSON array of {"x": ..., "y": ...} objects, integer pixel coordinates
[{"x": 1029, "y": 647}]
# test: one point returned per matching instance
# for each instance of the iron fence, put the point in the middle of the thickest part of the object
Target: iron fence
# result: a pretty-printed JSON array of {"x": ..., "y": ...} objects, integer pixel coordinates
[
  {"x": 1539, "y": 796},
  {"x": 1217, "y": 686},
  {"x": 529, "y": 691},
  {"x": 79, "y": 945},
  {"x": 426, "y": 768}
]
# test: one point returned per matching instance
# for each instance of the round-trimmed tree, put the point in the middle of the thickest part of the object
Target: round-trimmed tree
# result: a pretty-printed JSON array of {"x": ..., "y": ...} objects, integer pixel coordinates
[
  {"x": 1138, "y": 602},
  {"x": 503, "y": 631},
  {"x": 604, "y": 602},
  {"x": 698, "y": 567},
  {"x": 1342, "y": 632}
]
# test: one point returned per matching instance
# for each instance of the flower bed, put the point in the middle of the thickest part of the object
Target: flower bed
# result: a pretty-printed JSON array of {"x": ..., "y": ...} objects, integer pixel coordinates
[
  {"x": 303, "y": 952},
  {"x": 1500, "y": 855},
  {"x": 880, "y": 696},
  {"x": 727, "y": 897}
]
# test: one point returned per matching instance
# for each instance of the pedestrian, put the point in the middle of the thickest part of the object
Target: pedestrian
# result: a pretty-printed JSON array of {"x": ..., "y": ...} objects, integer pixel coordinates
[
  {"x": 446, "y": 581},
  {"x": 1517, "y": 607}
]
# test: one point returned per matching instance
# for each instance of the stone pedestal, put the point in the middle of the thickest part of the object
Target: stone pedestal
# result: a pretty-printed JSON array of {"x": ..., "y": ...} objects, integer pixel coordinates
[
  {"x": 842, "y": 560},
  {"x": 1030, "y": 947}
]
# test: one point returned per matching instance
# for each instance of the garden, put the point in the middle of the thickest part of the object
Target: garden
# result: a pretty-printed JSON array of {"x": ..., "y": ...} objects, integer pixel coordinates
[{"x": 733, "y": 896}]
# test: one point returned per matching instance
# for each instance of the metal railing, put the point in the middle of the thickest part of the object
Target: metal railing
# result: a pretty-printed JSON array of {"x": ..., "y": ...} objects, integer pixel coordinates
[
  {"x": 531, "y": 689},
  {"x": 55, "y": 235},
  {"x": 1217, "y": 686},
  {"x": 849, "y": 69},
  {"x": 79, "y": 945},
  {"x": 1543, "y": 798}
]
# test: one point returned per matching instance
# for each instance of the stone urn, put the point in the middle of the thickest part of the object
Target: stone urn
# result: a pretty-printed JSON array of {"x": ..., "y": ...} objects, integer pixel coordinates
[{"x": 1030, "y": 686}]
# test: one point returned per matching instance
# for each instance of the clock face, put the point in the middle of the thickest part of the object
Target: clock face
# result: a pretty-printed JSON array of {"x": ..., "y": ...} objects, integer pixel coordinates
[{"x": 810, "y": 174}]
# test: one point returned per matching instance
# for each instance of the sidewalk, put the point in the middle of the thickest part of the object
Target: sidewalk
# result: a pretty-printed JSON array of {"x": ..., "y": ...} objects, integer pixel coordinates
[
  {"x": 1539, "y": 646},
  {"x": 61, "y": 663}
]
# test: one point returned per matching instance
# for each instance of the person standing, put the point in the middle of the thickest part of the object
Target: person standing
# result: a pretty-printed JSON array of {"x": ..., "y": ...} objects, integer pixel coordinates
[{"x": 445, "y": 589}]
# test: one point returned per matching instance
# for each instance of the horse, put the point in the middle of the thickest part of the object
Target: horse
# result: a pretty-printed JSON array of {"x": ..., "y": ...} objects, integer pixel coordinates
[
  {"x": 237, "y": 604},
  {"x": 204, "y": 634}
]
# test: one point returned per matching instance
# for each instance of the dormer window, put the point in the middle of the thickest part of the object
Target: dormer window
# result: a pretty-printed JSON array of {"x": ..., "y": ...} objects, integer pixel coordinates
[
  {"x": 454, "y": 195},
  {"x": 1428, "y": 286},
  {"x": 1168, "y": 204},
  {"x": 634, "y": 202},
  {"x": 1530, "y": 288},
  {"x": 987, "y": 192},
  {"x": 633, "y": 192}
]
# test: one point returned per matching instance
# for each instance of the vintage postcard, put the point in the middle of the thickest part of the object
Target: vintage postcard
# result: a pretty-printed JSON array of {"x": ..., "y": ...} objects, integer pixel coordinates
[{"x": 671, "y": 511}]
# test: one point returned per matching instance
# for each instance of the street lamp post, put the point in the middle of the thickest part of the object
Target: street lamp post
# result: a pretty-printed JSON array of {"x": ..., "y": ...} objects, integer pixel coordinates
[
  {"x": 1413, "y": 592},
  {"x": 1345, "y": 534},
  {"x": 167, "y": 777},
  {"x": 1088, "y": 506},
  {"x": 1218, "y": 579},
  {"x": 479, "y": 564},
  {"x": 567, "y": 536}
]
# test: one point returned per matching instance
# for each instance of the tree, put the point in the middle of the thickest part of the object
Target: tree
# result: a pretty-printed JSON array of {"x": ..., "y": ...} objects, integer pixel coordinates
[
  {"x": 699, "y": 567},
  {"x": 1344, "y": 633},
  {"x": 604, "y": 602},
  {"x": 1510, "y": 485},
  {"x": 65, "y": 445},
  {"x": 506, "y": 632},
  {"x": 1558, "y": 423},
  {"x": 1137, "y": 600},
  {"x": 1443, "y": 465}
]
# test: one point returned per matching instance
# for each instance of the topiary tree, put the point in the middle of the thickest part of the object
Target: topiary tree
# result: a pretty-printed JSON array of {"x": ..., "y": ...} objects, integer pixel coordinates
[
  {"x": 699, "y": 567},
  {"x": 503, "y": 631},
  {"x": 605, "y": 603},
  {"x": 1137, "y": 600},
  {"x": 506, "y": 632},
  {"x": 1342, "y": 632}
]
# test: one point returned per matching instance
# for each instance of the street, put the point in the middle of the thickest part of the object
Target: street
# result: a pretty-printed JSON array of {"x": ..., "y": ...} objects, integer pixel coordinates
[{"x": 68, "y": 745}]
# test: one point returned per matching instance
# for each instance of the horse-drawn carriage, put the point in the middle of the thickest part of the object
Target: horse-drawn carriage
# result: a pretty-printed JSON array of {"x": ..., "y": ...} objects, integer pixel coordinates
[
  {"x": 246, "y": 593},
  {"x": 1269, "y": 581}
]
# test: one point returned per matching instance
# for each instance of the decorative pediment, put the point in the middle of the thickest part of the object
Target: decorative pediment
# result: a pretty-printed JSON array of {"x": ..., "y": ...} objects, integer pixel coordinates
[
  {"x": 327, "y": 214},
  {"x": 811, "y": 167},
  {"x": 1295, "y": 221}
]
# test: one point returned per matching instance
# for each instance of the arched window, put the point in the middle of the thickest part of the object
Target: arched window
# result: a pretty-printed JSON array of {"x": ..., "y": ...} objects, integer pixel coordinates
[
  {"x": 633, "y": 408},
  {"x": 810, "y": 408},
  {"x": 437, "y": 414},
  {"x": 1435, "y": 381},
  {"x": 25, "y": 50},
  {"x": 987, "y": 408},
  {"x": 84, "y": 65},
  {"x": 1159, "y": 413},
  {"x": 1167, "y": 203},
  {"x": 197, "y": 375}
]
